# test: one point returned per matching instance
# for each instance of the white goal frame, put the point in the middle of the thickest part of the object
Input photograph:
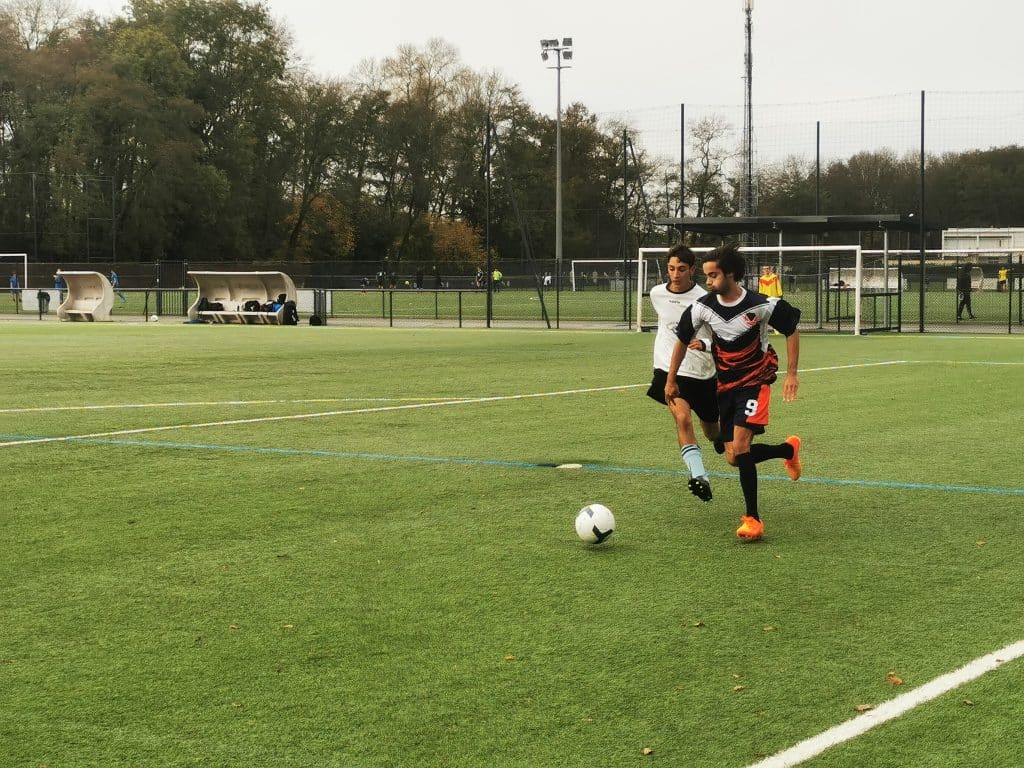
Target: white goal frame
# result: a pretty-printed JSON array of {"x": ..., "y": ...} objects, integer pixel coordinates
[
  {"x": 24, "y": 265},
  {"x": 24, "y": 273},
  {"x": 643, "y": 253}
]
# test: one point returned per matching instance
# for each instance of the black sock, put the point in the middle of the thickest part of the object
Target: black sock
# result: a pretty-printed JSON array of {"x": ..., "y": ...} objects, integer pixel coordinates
[
  {"x": 748, "y": 482},
  {"x": 764, "y": 452},
  {"x": 719, "y": 447}
]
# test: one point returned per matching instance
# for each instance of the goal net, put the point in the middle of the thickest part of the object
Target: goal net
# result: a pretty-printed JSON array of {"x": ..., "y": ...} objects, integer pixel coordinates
[{"x": 833, "y": 286}]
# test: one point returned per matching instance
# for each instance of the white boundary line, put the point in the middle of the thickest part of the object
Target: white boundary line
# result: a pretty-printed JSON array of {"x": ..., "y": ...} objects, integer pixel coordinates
[
  {"x": 322, "y": 414},
  {"x": 195, "y": 403},
  {"x": 325, "y": 414},
  {"x": 892, "y": 709},
  {"x": 204, "y": 403}
]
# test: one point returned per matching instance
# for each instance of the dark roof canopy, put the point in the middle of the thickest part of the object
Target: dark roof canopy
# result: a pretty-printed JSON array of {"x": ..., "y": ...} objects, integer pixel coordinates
[{"x": 804, "y": 225}]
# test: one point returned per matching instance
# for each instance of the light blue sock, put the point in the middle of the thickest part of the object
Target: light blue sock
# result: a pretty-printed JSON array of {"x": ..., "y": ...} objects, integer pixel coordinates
[{"x": 694, "y": 461}]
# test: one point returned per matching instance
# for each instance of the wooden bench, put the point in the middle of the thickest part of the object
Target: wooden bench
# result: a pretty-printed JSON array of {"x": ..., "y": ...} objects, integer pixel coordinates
[
  {"x": 231, "y": 291},
  {"x": 90, "y": 297}
]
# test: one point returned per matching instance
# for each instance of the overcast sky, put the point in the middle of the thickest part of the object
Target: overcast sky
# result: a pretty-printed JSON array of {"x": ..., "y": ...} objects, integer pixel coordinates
[{"x": 635, "y": 55}]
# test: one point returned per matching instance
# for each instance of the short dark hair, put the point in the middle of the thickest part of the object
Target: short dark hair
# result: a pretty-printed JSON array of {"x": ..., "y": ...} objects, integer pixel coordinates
[
  {"x": 683, "y": 253},
  {"x": 730, "y": 260}
]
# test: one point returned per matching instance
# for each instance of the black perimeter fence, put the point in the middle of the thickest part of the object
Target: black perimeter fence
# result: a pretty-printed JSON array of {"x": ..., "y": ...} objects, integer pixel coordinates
[{"x": 818, "y": 283}]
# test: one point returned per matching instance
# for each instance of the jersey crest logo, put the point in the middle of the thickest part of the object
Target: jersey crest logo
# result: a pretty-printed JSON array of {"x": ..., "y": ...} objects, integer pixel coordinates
[{"x": 751, "y": 319}]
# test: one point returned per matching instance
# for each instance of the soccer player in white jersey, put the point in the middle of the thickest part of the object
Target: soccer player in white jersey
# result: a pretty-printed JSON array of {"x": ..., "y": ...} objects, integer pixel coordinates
[
  {"x": 695, "y": 378},
  {"x": 740, "y": 322}
]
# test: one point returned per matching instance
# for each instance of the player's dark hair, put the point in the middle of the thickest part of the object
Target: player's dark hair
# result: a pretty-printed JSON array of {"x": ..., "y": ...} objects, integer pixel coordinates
[
  {"x": 729, "y": 259},
  {"x": 683, "y": 253}
]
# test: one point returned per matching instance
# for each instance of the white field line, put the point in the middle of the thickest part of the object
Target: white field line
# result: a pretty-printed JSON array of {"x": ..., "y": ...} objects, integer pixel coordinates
[
  {"x": 325, "y": 414},
  {"x": 322, "y": 414},
  {"x": 203, "y": 403},
  {"x": 892, "y": 709},
  {"x": 207, "y": 403}
]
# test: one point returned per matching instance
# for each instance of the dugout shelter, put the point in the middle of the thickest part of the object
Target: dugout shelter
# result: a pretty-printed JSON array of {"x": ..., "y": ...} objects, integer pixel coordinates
[{"x": 90, "y": 297}]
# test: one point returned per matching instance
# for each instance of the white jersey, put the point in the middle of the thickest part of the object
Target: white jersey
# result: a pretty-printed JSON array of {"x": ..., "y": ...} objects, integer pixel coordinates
[{"x": 670, "y": 307}]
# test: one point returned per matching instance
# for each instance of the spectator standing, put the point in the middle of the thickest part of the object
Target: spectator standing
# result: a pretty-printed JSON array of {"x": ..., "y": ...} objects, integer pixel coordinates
[
  {"x": 963, "y": 288},
  {"x": 768, "y": 283}
]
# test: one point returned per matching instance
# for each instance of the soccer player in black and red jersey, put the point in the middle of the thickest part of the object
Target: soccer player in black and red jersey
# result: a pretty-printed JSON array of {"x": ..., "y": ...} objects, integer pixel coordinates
[{"x": 740, "y": 322}]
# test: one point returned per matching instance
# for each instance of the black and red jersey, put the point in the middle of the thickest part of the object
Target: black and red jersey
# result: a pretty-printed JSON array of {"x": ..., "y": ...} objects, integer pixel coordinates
[{"x": 739, "y": 333}]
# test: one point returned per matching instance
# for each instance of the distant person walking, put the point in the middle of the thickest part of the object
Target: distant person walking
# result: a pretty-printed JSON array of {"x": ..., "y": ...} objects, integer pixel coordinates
[
  {"x": 12, "y": 281},
  {"x": 1004, "y": 276},
  {"x": 115, "y": 283},
  {"x": 58, "y": 284},
  {"x": 963, "y": 287}
]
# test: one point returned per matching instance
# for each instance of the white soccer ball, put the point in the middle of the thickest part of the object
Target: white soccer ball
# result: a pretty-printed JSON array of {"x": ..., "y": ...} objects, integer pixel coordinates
[
  {"x": 154, "y": 319},
  {"x": 595, "y": 523}
]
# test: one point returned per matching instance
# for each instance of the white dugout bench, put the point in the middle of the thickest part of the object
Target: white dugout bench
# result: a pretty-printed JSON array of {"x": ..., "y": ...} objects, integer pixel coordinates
[
  {"x": 222, "y": 296},
  {"x": 90, "y": 297}
]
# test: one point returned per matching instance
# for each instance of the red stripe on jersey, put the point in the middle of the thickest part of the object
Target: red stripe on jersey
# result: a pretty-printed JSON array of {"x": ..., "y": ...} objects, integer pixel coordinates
[
  {"x": 760, "y": 416},
  {"x": 745, "y": 367}
]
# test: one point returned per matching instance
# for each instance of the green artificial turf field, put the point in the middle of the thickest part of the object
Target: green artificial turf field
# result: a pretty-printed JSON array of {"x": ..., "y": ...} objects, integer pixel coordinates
[{"x": 270, "y": 546}]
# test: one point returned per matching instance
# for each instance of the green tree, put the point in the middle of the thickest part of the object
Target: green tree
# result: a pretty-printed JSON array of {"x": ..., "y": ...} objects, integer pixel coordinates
[
  {"x": 237, "y": 57},
  {"x": 317, "y": 126},
  {"x": 707, "y": 184}
]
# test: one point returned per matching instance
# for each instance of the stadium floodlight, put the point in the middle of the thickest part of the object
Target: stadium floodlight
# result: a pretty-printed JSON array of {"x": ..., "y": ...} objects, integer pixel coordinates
[{"x": 562, "y": 52}]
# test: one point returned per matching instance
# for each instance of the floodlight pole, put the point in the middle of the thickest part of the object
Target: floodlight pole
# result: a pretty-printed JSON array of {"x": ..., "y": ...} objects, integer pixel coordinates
[
  {"x": 560, "y": 49},
  {"x": 748, "y": 112}
]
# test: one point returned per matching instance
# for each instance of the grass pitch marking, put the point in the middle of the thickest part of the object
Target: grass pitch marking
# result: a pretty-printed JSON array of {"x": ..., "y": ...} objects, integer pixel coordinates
[
  {"x": 325, "y": 414},
  {"x": 205, "y": 403},
  {"x": 892, "y": 709},
  {"x": 318, "y": 415}
]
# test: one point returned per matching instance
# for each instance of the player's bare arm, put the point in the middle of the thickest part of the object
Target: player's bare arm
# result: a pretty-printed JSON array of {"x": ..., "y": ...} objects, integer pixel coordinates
[
  {"x": 671, "y": 388},
  {"x": 791, "y": 383}
]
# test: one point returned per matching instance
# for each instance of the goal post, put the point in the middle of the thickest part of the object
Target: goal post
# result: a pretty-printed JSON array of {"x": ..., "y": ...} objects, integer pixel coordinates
[
  {"x": 18, "y": 294},
  {"x": 828, "y": 283},
  {"x": 15, "y": 258},
  {"x": 645, "y": 281}
]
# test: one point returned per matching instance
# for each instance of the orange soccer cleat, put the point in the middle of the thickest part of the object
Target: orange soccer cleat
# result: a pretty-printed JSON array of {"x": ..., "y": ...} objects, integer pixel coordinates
[
  {"x": 751, "y": 529},
  {"x": 793, "y": 467}
]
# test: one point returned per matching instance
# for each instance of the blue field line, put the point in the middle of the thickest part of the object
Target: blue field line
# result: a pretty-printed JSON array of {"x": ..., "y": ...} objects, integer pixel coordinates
[{"x": 270, "y": 450}]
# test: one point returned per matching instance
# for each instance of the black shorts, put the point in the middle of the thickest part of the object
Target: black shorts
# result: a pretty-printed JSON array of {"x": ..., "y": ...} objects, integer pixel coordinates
[
  {"x": 744, "y": 407},
  {"x": 701, "y": 394}
]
